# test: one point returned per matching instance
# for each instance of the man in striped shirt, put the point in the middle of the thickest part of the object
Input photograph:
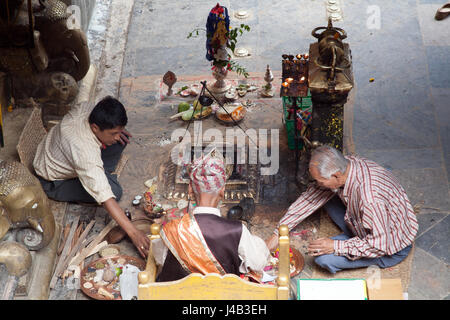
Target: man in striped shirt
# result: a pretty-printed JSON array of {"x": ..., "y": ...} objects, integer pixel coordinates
[{"x": 366, "y": 202}]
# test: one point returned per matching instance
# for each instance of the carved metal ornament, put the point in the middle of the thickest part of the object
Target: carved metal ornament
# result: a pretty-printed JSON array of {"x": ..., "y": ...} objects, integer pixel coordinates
[
  {"x": 25, "y": 206},
  {"x": 330, "y": 81},
  {"x": 331, "y": 69},
  {"x": 35, "y": 37}
]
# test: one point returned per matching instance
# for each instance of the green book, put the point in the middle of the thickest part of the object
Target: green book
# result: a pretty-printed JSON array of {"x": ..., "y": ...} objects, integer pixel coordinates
[{"x": 331, "y": 289}]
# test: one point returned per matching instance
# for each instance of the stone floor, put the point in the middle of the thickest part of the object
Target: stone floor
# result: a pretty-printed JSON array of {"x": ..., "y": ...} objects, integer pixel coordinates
[{"x": 399, "y": 120}]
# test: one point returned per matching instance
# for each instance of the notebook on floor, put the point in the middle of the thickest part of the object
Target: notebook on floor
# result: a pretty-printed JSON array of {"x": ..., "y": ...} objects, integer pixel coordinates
[{"x": 331, "y": 289}]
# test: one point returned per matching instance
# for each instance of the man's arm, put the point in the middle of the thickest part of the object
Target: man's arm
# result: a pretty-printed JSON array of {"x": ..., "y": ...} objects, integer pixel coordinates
[
  {"x": 308, "y": 202},
  {"x": 139, "y": 239},
  {"x": 376, "y": 243}
]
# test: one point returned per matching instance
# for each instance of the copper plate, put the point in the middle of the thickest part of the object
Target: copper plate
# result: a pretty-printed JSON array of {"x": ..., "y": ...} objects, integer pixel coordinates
[
  {"x": 299, "y": 262},
  {"x": 225, "y": 117},
  {"x": 93, "y": 292}
]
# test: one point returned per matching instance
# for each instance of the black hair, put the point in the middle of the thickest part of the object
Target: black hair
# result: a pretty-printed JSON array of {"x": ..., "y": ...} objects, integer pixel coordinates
[{"x": 108, "y": 113}]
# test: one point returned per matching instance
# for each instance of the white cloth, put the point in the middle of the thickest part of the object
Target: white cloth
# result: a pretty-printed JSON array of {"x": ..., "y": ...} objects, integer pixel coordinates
[
  {"x": 128, "y": 281},
  {"x": 252, "y": 250}
]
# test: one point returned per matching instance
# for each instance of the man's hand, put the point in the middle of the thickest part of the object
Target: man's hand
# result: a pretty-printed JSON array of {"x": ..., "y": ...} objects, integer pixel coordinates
[
  {"x": 321, "y": 246},
  {"x": 140, "y": 241},
  {"x": 272, "y": 242},
  {"x": 124, "y": 137}
]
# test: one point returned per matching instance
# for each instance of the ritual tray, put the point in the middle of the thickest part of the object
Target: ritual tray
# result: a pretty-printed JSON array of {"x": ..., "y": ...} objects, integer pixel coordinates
[
  {"x": 299, "y": 262},
  {"x": 89, "y": 269},
  {"x": 238, "y": 115}
]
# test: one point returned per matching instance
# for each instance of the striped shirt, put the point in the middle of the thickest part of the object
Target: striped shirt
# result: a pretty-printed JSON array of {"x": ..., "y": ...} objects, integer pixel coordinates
[
  {"x": 69, "y": 150},
  {"x": 378, "y": 213}
]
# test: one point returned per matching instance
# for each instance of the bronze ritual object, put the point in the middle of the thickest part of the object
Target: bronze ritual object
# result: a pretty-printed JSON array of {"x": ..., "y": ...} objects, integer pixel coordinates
[
  {"x": 26, "y": 207},
  {"x": 330, "y": 81},
  {"x": 42, "y": 54},
  {"x": 35, "y": 37}
]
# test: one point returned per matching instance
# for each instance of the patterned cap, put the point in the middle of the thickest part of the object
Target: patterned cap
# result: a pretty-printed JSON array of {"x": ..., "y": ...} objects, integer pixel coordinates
[{"x": 207, "y": 173}]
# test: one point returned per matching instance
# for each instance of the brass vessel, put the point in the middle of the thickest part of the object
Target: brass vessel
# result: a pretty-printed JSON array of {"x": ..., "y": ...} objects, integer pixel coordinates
[{"x": 26, "y": 206}]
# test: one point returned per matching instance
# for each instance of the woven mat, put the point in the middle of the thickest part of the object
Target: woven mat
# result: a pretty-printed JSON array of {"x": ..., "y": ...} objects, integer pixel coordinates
[
  {"x": 400, "y": 271},
  {"x": 31, "y": 136}
]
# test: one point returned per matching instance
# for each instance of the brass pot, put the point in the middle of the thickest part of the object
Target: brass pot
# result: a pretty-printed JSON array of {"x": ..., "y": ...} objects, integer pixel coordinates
[{"x": 15, "y": 257}]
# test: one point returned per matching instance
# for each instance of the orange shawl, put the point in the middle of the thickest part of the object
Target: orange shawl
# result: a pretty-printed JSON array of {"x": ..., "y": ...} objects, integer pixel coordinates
[{"x": 185, "y": 240}]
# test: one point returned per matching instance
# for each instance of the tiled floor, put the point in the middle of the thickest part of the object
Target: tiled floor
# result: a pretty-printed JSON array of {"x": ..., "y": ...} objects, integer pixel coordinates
[{"x": 400, "y": 120}]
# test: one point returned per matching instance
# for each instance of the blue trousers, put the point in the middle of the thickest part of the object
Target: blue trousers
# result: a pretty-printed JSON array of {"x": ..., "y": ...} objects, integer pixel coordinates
[{"x": 336, "y": 210}]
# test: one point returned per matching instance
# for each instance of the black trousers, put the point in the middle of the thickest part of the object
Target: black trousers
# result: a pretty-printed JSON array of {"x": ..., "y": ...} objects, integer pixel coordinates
[{"x": 71, "y": 190}]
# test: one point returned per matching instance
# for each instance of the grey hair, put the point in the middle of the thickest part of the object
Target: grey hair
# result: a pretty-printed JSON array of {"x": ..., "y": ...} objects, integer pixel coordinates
[{"x": 328, "y": 161}]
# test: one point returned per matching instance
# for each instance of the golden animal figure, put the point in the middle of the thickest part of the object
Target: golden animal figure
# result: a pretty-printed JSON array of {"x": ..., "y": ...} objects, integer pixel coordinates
[{"x": 26, "y": 206}]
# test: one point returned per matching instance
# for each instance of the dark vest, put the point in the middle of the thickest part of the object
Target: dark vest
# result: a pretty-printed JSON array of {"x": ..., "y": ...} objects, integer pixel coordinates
[{"x": 222, "y": 237}]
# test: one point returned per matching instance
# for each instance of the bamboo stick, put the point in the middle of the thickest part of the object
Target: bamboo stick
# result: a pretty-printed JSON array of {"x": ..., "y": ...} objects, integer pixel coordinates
[
  {"x": 94, "y": 242},
  {"x": 77, "y": 245},
  {"x": 64, "y": 252},
  {"x": 63, "y": 242}
]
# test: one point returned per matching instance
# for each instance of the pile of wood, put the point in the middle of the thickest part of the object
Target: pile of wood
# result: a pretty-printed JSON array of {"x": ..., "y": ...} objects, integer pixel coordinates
[{"x": 76, "y": 246}]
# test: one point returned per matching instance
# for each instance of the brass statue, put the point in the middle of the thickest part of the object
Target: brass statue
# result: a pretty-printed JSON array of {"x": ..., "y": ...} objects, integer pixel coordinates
[
  {"x": 26, "y": 206},
  {"x": 330, "y": 79},
  {"x": 331, "y": 67},
  {"x": 39, "y": 51}
]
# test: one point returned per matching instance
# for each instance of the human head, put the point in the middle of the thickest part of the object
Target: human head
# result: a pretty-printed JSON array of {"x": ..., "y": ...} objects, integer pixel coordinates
[
  {"x": 328, "y": 167},
  {"x": 207, "y": 179},
  {"x": 108, "y": 119}
]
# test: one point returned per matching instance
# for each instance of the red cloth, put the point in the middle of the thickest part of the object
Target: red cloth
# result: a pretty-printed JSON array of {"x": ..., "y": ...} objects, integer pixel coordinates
[{"x": 207, "y": 173}]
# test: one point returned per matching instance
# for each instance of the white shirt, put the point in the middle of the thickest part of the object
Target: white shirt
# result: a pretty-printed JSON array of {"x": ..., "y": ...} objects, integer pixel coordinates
[
  {"x": 69, "y": 150},
  {"x": 252, "y": 250}
]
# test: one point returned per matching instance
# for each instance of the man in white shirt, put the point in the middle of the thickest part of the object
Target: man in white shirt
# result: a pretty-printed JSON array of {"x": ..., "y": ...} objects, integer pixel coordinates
[
  {"x": 202, "y": 241},
  {"x": 76, "y": 159}
]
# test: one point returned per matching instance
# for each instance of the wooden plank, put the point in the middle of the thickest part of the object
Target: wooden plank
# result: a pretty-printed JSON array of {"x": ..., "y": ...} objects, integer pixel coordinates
[
  {"x": 64, "y": 252},
  {"x": 77, "y": 245},
  {"x": 9, "y": 288},
  {"x": 63, "y": 240},
  {"x": 90, "y": 253},
  {"x": 76, "y": 236},
  {"x": 385, "y": 289},
  {"x": 94, "y": 242}
]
